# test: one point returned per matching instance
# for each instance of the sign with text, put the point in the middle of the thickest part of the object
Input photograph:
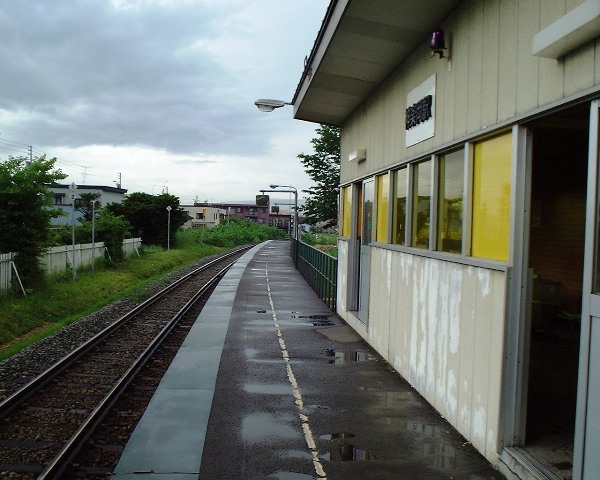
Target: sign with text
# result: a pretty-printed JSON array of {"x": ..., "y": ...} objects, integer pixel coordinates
[{"x": 420, "y": 112}]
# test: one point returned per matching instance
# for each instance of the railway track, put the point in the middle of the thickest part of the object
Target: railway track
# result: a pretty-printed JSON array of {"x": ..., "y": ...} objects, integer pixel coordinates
[{"x": 73, "y": 419}]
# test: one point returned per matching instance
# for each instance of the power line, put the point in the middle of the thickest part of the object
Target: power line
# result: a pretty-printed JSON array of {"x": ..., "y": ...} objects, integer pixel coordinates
[
  {"x": 108, "y": 176},
  {"x": 18, "y": 147}
]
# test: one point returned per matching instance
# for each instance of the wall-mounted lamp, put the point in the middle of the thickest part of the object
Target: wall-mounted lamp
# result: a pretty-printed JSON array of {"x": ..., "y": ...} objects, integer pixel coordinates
[{"x": 438, "y": 44}]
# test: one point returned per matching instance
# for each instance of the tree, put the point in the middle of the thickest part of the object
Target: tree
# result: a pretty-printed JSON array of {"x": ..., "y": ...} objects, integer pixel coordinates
[
  {"x": 26, "y": 211},
  {"x": 108, "y": 228},
  {"x": 323, "y": 168},
  {"x": 148, "y": 216},
  {"x": 85, "y": 202}
]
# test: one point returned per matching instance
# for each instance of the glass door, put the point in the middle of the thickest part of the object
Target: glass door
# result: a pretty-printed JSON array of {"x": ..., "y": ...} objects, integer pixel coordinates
[
  {"x": 366, "y": 237},
  {"x": 587, "y": 429}
]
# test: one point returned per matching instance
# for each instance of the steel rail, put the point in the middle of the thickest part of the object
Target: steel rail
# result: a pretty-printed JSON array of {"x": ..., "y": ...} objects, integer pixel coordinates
[
  {"x": 60, "y": 463},
  {"x": 11, "y": 402}
]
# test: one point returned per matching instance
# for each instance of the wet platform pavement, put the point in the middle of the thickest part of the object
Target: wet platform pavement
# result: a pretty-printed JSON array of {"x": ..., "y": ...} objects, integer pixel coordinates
[{"x": 270, "y": 384}]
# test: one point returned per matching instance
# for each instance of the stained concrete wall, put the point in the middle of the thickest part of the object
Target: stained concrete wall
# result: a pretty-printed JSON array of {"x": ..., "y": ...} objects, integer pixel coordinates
[{"x": 441, "y": 326}]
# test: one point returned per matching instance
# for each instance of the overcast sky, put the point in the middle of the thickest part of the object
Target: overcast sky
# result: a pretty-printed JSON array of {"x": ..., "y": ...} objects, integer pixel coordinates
[{"x": 159, "y": 91}]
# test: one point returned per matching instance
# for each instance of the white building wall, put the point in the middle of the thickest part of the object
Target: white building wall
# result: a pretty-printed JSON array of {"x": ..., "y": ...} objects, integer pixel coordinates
[
  {"x": 441, "y": 326},
  {"x": 440, "y": 323},
  {"x": 493, "y": 77}
]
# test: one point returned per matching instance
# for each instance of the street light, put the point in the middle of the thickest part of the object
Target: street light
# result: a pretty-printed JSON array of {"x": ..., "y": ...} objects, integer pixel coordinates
[
  {"x": 268, "y": 104},
  {"x": 295, "y": 192},
  {"x": 73, "y": 187},
  {"x": 169, "y": 227}
]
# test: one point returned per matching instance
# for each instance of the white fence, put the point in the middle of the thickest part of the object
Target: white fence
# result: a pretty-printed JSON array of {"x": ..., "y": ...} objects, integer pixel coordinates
[
  {"x": 60, "y": 259},
  {"x": 6, "y": 270}
]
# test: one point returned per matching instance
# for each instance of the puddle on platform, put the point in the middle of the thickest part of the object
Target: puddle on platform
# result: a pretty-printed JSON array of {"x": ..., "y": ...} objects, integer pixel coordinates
[
  {"x": 336, "y": 436},
  {"x": 324, "y": 323},
  {"x": 315, "y": 408},
  {"x": 393, "y": 398},
  {"x": 301, "y": 454},
  {"x": 259, "y": 427},
  {"x": 347, "y": 453},
  {"x": 251, "y": 352},
  {"x": 440, "y": 455},
  {"x": 268, "y": 389},
  {"x": 426, "y": 429},
  {"x": 335, "y": 357},
  {"x": 290, "y": 476}
]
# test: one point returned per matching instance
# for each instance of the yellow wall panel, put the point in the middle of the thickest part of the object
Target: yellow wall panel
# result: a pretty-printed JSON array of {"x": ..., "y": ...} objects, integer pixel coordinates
[
  {"x": 491, "y": 198},
  {"x": 383, "y": 195},
  {"x": 346, "y": 211}
]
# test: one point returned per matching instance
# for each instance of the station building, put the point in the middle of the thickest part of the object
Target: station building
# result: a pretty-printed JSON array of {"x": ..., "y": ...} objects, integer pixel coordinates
[{"x": 468, "y": 252}]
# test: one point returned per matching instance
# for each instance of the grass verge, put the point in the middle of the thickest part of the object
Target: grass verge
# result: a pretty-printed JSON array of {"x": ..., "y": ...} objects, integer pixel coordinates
[{"x": 61, "y": 300}]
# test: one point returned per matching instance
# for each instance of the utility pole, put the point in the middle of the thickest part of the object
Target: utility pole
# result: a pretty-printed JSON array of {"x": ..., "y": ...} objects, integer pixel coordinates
[
  {"x": 72, "y": 188},
  {"x": 169, "y": 227}
]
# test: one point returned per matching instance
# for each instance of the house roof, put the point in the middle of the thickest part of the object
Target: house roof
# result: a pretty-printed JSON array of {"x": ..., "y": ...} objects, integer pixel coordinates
[
  {"x": 103, "y": 188},
  {"x": 360, "y": 43}
]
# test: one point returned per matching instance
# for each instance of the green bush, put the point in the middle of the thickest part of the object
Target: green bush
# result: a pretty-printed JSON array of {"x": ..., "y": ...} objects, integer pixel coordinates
[
  {"x": 320, "y": 238},
  {"x": 236, "y": 232},
  {"x": 60, "y": 301}
]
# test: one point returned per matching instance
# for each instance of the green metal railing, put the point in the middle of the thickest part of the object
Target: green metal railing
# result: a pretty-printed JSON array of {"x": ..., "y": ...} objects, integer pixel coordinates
[{"x": 320, "y": 271}]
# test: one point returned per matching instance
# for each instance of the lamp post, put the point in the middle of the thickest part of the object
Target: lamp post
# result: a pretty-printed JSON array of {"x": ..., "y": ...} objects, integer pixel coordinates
[
  {"x": 93, "y": 235},
  {"x": 293, "y": 190},
  {"x": 73, "y": 187},
  {"x": 169, "y": 227}
]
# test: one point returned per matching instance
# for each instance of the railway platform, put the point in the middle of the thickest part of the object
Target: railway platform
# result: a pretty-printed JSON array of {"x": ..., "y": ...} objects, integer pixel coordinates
[{"x": 270, "y": 384}]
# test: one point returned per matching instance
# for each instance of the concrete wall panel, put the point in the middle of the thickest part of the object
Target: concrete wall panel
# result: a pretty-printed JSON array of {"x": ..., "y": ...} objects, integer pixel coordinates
[
  {"x": 527, "y": 65},
  {"x": 476, "y": 51},
  {"x": 438, "y": 324},
  {"x": 490, "y": 62}
]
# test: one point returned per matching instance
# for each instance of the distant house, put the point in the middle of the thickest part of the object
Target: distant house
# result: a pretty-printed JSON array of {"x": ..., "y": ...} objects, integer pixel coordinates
[
  {"x": 64, "y": 201},
  {"x": 261, "y": 214},
  {"x": 203, "y": 217},
  {"x": 281, "y": 220},
  {"x": 243, "y": 211}
]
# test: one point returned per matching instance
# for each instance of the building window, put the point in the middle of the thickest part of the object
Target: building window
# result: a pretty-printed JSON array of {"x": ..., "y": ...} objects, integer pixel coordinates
[
  {"x": 383, "y": 194},
  {"x": 450, "y": 208},
  {"x": 415, "y": 203},
  {"x": 346, "y": 211},
  {"x": 421, "y": 204},
  {"x": 491, "y": 198},
  {"x": 400, "y": 195}
]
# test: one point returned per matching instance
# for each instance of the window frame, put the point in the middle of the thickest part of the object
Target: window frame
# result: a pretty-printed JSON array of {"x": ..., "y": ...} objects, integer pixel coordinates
[
  {"x": 465, "y": 196},
  {"x": 393, "y": 198},
  {"x": 433, "y": 251}
]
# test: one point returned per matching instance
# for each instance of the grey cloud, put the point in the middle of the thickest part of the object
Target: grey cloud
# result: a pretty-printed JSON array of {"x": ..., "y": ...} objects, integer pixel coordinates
[{"x": 84, "y": 73}]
